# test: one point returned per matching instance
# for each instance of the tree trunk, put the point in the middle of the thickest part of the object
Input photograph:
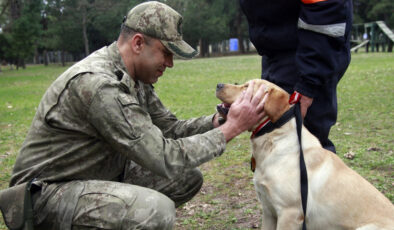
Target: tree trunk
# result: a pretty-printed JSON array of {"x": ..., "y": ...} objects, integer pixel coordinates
[
  {"x": 63, "y": 58},
  {"x": 21, "y": 63},
  {"x": 84, "y": 31},
  {"x": 204, "y": 48},
  {"x": 36, "y": 56},
  {"x": 16, "y": 8},
  {"x": 238, "y": 25},
  {"x": 200, "y": 45},
  {"x": 5, "y": 6},
  {"x": 45, "y": 54}
]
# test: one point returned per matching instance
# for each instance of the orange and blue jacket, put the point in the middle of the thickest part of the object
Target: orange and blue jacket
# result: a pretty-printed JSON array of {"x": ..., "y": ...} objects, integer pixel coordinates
[{"x": 318, "y": 31}]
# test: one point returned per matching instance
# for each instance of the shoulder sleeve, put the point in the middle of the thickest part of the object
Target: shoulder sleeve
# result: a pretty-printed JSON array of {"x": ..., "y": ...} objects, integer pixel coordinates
[
  {"x": 323, "y": 42},
  {"x": 170, "y": 125},
  {"x": 129, "y": 130}
]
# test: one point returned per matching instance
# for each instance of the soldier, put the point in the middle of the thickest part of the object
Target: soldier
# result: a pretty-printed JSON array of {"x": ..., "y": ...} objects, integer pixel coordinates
[{"x": 103, "y": 152}]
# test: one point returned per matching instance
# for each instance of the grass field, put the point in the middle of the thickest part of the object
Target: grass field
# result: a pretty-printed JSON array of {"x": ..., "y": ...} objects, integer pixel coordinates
[{"x": 227, "y": 199}]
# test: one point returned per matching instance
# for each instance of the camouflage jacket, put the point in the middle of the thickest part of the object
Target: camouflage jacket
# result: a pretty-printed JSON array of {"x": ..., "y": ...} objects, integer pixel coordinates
[{"x": 94, "y": 117}]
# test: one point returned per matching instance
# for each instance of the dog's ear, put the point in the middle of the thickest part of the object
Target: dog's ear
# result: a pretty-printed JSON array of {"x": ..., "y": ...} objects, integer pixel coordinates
[{"x": 277, "y": 103}]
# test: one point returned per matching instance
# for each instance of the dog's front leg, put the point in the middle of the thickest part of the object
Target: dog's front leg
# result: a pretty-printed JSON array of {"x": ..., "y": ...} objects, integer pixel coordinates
[
  {"x": 269, "y": 220},
  {"x": 290, "y": 219},
  {"x": 269, "y": 215}
]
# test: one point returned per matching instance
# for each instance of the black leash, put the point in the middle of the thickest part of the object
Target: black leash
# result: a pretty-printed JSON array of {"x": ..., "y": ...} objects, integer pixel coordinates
[
  {"x": 294, "y": 111},
  {"x": 303, "y": 172}
]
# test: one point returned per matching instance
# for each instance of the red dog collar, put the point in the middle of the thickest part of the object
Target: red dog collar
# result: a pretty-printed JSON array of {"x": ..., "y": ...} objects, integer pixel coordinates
[{"x": 295, "y": 97}]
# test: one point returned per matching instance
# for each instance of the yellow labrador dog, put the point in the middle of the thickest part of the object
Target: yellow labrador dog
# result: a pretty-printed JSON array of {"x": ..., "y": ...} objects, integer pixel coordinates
[{"x": 338, "y": 197}]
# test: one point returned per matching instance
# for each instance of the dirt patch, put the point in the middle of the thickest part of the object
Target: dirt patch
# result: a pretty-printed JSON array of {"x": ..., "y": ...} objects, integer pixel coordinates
[{"x": 222, "y": 204}]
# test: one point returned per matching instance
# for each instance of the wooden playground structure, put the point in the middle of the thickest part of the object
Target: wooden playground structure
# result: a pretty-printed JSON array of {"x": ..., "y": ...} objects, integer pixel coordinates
[{"x": 372, "y": 35}]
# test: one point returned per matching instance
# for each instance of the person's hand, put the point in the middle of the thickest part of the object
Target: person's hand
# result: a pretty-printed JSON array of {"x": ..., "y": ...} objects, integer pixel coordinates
[
  {"x": 305, "y": 103},
  {"x": 245, "y": 112}
]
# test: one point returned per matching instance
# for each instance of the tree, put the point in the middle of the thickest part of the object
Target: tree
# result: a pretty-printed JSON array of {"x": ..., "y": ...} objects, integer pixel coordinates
[
  {"x": 60, "y": 33},
  {"x": 374, "y": 10},
  {"x": 383, "y": 10},
  {"x": 3, "y": 44},
  {"x": 238, "y": 24},
  {"x": 210, "y": 21},
  {"x": 23, "y": 30},
  {"x": 105, "y": 26},
  {"x": 84, "y": 12},
  {"x": 205, "y": 21}
]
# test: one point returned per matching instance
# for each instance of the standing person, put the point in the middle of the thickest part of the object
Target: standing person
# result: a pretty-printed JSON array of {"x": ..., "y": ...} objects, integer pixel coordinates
[
  {"x": 365, "y": 37},
  {"x": 305, "y": 48},
  {"x": 103, "y": 152}
]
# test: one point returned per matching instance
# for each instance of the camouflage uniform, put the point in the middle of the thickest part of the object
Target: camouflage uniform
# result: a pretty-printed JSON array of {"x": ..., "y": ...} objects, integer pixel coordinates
[{"x": 107, "y": 153}]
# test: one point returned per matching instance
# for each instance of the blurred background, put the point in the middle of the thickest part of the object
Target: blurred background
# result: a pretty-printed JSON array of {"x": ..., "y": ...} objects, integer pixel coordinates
[{"x": 60, "y": 31}]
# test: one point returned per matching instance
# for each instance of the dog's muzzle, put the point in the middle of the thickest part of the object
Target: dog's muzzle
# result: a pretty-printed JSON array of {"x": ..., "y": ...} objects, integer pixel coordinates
[{"x": 224, "y": 107}]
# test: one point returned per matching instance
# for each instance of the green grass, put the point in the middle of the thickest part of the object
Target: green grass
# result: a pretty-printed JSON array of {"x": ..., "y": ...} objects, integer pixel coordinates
[{"x": 227, "y": 199}]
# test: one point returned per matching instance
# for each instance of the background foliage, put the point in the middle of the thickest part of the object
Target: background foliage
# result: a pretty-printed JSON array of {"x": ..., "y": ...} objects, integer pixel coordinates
[{"x": 78, "y": 27}]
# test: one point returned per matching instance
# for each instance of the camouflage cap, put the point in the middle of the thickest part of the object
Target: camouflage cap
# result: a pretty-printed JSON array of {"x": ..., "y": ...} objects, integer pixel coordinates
[{"x": 160, "y": 21}]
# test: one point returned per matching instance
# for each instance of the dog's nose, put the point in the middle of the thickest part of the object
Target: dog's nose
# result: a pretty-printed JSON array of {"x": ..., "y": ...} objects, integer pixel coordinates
[{"x": 219, "y": 86}]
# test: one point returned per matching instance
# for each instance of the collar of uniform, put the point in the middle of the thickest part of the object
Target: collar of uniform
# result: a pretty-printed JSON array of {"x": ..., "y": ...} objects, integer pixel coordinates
[{"x": 120, "y": 66}]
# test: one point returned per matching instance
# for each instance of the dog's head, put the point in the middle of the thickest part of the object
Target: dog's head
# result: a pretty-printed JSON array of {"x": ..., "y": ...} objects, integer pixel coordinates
[{"x": 276, "y": 104}]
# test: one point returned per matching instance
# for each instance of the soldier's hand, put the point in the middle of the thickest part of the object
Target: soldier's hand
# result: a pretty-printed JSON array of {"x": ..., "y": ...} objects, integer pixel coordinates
[{"x": 245, "y": 112}]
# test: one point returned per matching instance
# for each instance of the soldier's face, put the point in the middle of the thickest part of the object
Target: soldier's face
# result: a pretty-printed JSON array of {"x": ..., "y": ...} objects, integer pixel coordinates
[{"x": 154, "y": 59}]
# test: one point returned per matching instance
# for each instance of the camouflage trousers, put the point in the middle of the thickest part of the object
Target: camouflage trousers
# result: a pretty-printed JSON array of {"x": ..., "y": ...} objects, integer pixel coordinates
[{"x": 140, "y": 200}]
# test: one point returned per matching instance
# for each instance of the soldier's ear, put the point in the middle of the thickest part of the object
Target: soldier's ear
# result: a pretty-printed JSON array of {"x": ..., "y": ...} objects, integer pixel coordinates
[{"x": 137, "y": 42}]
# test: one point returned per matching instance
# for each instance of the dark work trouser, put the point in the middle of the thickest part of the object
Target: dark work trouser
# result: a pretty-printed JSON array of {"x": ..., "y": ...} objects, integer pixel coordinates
[{"x": 322, "y": 115}]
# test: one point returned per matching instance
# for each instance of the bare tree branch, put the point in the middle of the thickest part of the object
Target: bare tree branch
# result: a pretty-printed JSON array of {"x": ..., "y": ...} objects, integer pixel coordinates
[{"x": 4, "y": 7}]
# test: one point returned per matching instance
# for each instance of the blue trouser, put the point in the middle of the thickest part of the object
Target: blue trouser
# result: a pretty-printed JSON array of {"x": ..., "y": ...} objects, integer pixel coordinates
[{"x": 281, "y": 70}]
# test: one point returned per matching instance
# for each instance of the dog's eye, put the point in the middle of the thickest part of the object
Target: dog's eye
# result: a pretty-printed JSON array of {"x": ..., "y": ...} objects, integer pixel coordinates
[{"x": 236, "y": 83}]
